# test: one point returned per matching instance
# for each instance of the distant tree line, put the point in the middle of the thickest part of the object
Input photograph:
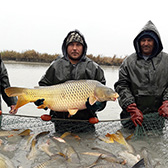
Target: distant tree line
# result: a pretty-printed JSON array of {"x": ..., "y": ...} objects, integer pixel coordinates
[{"x": 33, "y": 56}]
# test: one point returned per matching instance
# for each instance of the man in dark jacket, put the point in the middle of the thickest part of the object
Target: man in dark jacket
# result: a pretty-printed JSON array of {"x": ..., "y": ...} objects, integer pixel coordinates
[
  {"x": 4, "y": 83},
  {"x": 143, "y": 79},
  {"x": 74, "y": 65}
]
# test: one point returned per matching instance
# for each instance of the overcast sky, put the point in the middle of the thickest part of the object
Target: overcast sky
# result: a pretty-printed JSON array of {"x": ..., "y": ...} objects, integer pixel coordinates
[{"x": 109, "y": 26}]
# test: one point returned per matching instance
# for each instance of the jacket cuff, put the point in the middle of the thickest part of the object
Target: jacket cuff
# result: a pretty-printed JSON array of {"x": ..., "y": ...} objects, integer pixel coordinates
[{"x": 126, "y": 104}]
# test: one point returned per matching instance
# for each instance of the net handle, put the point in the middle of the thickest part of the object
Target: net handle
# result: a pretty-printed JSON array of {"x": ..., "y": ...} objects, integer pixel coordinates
[{"x": 46, "y": 117}]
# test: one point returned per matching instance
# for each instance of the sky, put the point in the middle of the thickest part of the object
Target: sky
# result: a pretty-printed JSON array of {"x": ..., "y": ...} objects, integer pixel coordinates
[{"x": 109, "y": 26}]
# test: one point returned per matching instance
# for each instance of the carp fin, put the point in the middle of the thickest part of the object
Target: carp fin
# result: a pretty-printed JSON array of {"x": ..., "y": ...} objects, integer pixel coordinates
[
  {"x": 25, "y": 132},
  {"x": 43, "y": 106},
  {"x": 92, "y": 100},
  {"x": 21, "y": 101},
  {"x": 72, "y": 111},
  {"x": 16, "y": 91}
]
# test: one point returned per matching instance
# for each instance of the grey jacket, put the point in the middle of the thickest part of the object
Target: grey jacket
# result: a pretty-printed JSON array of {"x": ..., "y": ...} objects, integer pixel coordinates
[
  {"x": 62, "y": 70},
  {"x": 4, "y": 83},
  {"x": 144, "y": 82}
]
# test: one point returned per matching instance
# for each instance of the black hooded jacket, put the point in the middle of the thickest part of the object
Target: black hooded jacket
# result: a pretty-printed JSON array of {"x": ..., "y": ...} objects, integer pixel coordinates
[
  {"x": 144, "y": 82},
  {"x": 62, "y": 70},
  {"x": 4, "y": 83}
]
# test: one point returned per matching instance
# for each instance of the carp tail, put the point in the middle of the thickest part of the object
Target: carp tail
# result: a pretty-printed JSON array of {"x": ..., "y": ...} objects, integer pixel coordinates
[{"x": 20, "y": 92}]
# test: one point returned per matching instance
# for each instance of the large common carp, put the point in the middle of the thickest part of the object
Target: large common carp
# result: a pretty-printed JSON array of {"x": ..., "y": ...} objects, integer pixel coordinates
[{"x": 70, "y": 96}]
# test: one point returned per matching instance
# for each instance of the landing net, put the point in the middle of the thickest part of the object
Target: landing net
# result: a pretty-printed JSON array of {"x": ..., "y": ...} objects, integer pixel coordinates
[
  {"x": 153, "y": 125},
  {"x": 154, "y": 129}
]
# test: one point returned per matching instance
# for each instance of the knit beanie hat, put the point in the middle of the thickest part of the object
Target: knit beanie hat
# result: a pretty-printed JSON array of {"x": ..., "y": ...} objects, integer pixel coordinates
[{"x": 74, "y": 37}]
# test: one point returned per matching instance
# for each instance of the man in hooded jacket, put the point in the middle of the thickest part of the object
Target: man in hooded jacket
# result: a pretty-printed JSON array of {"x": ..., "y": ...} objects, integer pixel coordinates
[
  {"x": 74, "y": 65},
  {"x": 4, "y": 83},
  {"x": 143, "y": 79}
]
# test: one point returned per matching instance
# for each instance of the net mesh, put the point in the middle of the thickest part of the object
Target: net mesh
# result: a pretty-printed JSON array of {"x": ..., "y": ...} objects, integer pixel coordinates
[
  {"x": 153, "y": 124},
  {"x": 154, "y": 129},
  {"x": 35, "y": 124}
]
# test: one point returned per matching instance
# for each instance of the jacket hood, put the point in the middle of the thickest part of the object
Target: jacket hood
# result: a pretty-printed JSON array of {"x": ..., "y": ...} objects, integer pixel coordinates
[
  {"x": 64, "y": 46},
  {"x": 149, "y": 30}
]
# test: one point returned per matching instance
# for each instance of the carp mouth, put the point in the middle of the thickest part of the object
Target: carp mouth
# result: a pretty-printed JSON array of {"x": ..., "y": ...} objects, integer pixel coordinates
[{"x": 115, "y": 96}]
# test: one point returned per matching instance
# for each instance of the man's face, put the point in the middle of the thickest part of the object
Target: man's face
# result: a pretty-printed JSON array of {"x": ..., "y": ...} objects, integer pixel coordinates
[
  {"x": 74, "y": 50},
  {"x": 147, "y": 45}
]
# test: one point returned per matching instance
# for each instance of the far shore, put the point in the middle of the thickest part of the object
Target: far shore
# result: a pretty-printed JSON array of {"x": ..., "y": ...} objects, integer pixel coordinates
[
  {"x": 33, "y": 57},
  {"x": 24, "y": 62}
]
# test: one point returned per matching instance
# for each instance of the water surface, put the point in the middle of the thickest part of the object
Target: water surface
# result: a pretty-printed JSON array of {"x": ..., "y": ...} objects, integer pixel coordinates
[{"x": 28, "y": 75}]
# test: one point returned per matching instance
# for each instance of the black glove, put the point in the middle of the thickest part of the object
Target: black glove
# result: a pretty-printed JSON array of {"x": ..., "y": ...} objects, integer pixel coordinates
[
  {"x": 39, "y": 102},
  {"x": 95, "y": 107}
]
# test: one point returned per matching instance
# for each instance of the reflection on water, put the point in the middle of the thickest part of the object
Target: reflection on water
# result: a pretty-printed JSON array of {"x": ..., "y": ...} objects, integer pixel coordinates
[{"x": 28, "y": 75}]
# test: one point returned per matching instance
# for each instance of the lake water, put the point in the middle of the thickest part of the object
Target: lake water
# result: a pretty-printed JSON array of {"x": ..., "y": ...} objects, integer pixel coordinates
[{"x": 28, "y": 75}]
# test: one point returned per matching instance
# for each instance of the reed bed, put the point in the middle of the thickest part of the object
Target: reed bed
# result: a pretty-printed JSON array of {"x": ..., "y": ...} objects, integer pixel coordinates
[{"x": 33, "y": 56}]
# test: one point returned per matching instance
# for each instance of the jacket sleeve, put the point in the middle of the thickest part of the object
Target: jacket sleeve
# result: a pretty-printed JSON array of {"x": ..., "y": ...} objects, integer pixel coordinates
[
  {"x": 93, "y": 71},
  {"x": 4, "y": 83},
  {"x": 47, "y": 79},
  {"x": 122, "y": 87},
  {"x": 58, "y": 72},
  {"x": 165, "y": 94},
  {"x": 101, "y": 78},
  {"x": 100, "y": 75}
]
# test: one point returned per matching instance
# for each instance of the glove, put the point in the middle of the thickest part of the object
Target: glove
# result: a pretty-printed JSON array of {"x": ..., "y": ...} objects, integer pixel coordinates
[
  {"x": 136, "y": 114},
  {"x": 95, "y": 107},
  {"x": 13, "y": 110},
  {"x": 163, "y": 110},
  {"x": 39, "y": 102}
]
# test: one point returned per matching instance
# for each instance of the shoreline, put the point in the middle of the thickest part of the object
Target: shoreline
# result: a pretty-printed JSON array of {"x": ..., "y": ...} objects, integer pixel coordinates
[
  {"x": 24, "y": 62},
  {"x": 43, "y": 63}
]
